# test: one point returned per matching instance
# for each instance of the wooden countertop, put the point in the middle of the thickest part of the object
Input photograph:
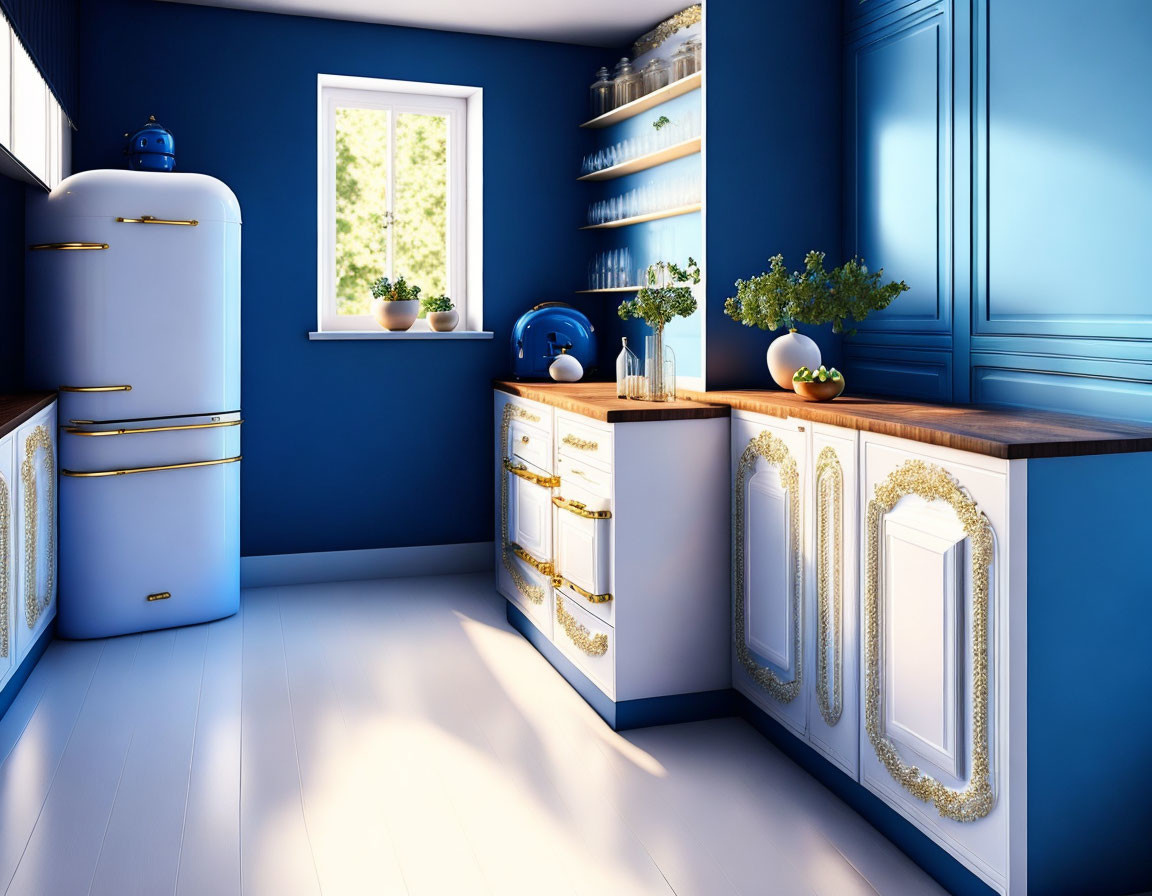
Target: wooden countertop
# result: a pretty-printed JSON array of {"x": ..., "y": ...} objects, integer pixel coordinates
[
  {"x": 996, "y": 432},
  {"x": 599, "y": 401},
  {"x": 15, "y": 409}
]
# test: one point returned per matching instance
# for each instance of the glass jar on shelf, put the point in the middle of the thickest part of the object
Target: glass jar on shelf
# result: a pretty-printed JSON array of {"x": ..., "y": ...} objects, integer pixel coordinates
[
  {"x": 625, "y": 83},
  {"x": 696, "y": 45},
  {"x": 601, "y": 94},
  {"x": 655, "y": 75},
  {"x": 683, "y": 62}
]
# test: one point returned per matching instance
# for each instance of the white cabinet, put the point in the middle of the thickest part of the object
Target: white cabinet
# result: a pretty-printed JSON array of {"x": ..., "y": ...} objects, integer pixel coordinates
[
  {"x": 35, "y": 528},
  {"x": 935, "y": 737},
  {"x": 793, "y": 579},
  {"x": 7, "y": 556},
  {"x": 612, "y": 545}
]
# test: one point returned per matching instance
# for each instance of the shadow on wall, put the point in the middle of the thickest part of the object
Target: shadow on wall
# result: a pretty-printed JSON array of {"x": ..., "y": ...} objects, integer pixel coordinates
[{"x": 11, "y": 284}]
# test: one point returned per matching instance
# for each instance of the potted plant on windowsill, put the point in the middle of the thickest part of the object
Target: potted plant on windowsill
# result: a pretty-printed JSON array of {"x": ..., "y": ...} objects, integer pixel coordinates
[
  {"x": 666, "y": 295},
  {"x": 395, "y": 305},
  {"x": 779, "y": 298},
  {"x": 440, "y": 313}
]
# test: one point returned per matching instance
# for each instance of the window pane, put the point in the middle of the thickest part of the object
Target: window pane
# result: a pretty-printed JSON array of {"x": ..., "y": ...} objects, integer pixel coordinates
[
  {"x": 421, "y": 202},
  {"x": 361, "y": 206}
]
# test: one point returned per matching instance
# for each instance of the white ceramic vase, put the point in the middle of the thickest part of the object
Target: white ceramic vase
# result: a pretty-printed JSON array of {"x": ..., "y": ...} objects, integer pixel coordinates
[
  {"x": 395, "y": 315},
  {"x": 788, "y": 353},
  {"x": 443, "y": 321},
  {"x": 566, "y": 368}
]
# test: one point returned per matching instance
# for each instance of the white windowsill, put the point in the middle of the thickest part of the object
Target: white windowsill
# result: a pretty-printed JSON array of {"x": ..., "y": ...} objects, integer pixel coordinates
[{"x": 333, "y": 335}]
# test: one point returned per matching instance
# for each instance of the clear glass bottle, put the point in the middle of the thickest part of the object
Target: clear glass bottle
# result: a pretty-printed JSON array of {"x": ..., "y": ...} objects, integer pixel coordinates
[
  {"x": 655, "y": 75},
  {"x": 601, "y": 93},
  {"x": 625, "y": 84},
  {"x": 627, "y": 371}
]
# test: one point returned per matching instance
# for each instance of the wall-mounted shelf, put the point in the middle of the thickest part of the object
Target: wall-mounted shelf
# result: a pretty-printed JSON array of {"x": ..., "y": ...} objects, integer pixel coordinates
[
  {"x": 651, "y": 216},
  {"x": 607, "y": 289},
  {"x": 646, "y": 102},
  {"x": 644, "y": 162}
]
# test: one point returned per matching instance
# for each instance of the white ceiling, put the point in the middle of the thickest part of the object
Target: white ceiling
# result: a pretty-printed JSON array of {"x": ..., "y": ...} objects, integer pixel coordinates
[{"x": 604, "y": 23}]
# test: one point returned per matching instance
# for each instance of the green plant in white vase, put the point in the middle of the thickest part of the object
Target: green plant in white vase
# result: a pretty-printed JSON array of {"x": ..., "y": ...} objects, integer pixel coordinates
[
  {"x": 440, "y": 313},
  {"x": 666, "y": 295},
  {"x": 779, "y": 298},
  {"x": 395, "y": 304}
]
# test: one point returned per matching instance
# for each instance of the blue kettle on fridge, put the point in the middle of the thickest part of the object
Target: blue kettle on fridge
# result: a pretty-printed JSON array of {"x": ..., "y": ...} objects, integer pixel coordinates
[
  {"x": 547, "y": 331},
  {"x": 152, "y": 148}
]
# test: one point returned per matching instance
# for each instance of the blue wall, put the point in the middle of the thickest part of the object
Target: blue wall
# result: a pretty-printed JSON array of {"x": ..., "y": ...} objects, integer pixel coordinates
[
  {"x": 349, "y": 444},
  {"x": 773, "y": 161},
  {"x": 999, "y": 159}
]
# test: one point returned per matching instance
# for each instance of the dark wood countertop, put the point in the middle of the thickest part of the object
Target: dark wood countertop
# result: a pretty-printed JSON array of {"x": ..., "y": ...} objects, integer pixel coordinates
[
  {"x": 1008, "y": 433},
  {"x": 599, "y": 401},
  {"x": 15, "y": 409}
]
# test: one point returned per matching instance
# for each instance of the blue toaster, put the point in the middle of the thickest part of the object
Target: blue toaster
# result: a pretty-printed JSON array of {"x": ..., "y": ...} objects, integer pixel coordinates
[{"x": 542, "y": 333}]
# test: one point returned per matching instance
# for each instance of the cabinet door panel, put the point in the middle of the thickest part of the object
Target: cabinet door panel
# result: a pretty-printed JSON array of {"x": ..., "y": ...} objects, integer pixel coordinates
[
  {"x": 769, "y": 461},
  {"x": 8, "y": 601},
  {"x": 531, "y": 517}
]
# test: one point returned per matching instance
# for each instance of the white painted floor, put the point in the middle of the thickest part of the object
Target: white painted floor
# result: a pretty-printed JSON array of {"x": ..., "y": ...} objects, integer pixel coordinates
[{"x": 392, "y": 737}]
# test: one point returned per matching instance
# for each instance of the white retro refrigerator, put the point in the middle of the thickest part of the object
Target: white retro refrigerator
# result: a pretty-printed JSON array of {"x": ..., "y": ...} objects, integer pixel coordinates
[{"x": 133, "y": 314}]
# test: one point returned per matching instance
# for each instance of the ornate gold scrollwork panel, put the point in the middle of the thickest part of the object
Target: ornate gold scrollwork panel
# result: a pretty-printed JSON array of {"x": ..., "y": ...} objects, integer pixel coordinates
[
  {"x": 40, "y": 439},
  {"x": 932, "y": 483},
  {"x": 769, "y": 448},
  {"x": 829, "y": 585}
]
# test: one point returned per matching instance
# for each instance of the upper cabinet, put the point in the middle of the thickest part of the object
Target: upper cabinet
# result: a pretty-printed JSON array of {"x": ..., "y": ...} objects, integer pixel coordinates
[{"x": 35, "y": 135}]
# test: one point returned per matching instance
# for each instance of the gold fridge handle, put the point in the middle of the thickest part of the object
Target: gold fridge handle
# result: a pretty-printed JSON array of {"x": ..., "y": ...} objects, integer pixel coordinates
[
  {"x": 95, "y": 388},
  {"x": 39, "y": 247},
  {"x": 148, "y": 219},
  {"x": 195, "y": 463},
  {"x": 75, "y": 430}
]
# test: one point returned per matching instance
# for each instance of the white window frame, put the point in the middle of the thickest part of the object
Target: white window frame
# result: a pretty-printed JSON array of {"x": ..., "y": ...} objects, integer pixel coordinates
[{"x": 463, "y": 106}]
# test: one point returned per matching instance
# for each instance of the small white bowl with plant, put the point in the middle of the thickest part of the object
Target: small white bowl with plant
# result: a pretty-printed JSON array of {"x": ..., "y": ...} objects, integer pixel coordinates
[
  {"x": 440, "y": 313},
  {"x": 395, "y": 304}
]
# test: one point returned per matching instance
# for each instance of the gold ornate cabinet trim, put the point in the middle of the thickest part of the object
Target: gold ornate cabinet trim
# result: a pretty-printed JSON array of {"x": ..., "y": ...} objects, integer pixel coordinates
[
  {"x": 33, "y": 605},
  {"x": 932, "y": 483},
  {"x": 666, "y": 29},
  {"x": 829, "y": 585},
  {"x": 775, "y": 452},
  {"x": 593, "y": 645},
  {"x": 5, "y": 563},
  {"x": 580, "y": 444},
  {"x": 534, "y": 593}
]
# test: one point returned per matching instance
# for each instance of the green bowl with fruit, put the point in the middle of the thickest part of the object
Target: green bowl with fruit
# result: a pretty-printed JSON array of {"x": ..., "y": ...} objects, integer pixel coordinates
[{"x": 818, "y": 385}]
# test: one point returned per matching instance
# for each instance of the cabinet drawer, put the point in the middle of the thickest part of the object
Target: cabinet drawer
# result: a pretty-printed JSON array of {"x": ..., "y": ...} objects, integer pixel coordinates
[
  {"x": 577, "y": 474},
  {"x": 584, "y": 560},
  {"x": 529, "y": 443},
  {"x": 586, "y": 641},
  {"x": 581, "y": 440},
  {"x": 529, "y": 516},
  {"x": 529, "y": 588}
]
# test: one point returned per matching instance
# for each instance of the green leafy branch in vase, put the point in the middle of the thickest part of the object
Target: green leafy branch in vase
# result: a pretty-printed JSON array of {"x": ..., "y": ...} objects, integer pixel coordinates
[
  {"x": 779, "y": 298},
  {"x": 666, "y": 295}
]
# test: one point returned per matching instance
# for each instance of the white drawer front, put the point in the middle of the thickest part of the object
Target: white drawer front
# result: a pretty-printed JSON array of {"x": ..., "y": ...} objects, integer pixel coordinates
[
  {"x": 582, "y": 440},
  {"x": 530, "y": 517},
  {"x": 576, "y": 474},
  {"x": 584, "y": 561},
  {"x": 529, "y": 589},
  {"x": 587, "y": 642},
  {"x": 529, "y": 443}
]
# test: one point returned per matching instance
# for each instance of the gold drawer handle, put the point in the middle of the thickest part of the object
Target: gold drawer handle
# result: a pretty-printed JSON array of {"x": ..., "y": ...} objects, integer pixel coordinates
[
  {"x": 159, "y": 595},
  {"x": 195, "y": 463},
  {"x": 581, "y": 510},
  {"x": 95, "y": 388},
  {"x": 557, "y": 581},
  {"x": 535, "y": 478},
  {"x": 148, "y": 219},
  {"x": 593, "y": 645},
  {"x": 544, "y": 568},
  {"x": 74, "y": 430},
  {"x": 581, "y": 444},
  {"x": 77, "y": 247},
  {"x": 524, "y": 439}
]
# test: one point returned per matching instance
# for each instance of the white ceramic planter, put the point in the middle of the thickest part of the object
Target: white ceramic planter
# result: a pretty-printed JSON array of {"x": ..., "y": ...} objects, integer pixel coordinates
[
  {"x": 788, "y": 353},
  {"x": 443, "y": 321},
  {"x": 395, "y": 315}
]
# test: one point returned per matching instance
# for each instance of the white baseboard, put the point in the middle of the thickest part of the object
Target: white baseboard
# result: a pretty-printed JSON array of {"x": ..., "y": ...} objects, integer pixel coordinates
[{"x": 375, "y": 563}]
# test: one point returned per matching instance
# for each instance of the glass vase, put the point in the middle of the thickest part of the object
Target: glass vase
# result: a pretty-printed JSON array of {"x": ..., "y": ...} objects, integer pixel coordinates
[{"x": 659, "y": 368}]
